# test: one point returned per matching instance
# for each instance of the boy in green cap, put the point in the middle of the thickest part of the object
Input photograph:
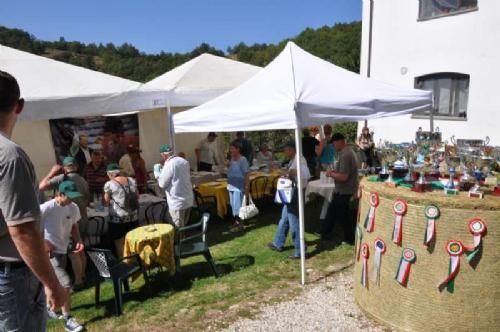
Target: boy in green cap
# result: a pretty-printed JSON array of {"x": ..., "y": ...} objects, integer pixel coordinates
[
  {"x": 60, "y": 218},
  {"x": 58, "y": 174}
]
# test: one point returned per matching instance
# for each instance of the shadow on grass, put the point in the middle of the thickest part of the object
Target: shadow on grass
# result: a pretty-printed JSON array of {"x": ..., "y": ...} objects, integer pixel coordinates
[{"x": 162, "y": 284}]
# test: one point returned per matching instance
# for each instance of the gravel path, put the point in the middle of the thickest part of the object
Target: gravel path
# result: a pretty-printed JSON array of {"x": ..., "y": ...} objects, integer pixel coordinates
[{"x": 326, "y": 306}]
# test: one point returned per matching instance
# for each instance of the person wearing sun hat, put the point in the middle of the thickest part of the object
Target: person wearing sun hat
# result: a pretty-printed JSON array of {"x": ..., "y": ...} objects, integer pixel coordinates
[
  {"x": 60, "y": 218},
  {"x": 57, "y": 175},
  {"x": 175, "y": 179},
  {"x": 123, "y": 217}
]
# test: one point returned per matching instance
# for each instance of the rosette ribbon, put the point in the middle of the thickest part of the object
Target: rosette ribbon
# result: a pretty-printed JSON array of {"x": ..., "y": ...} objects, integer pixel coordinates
[
  {"x": 400, "y": 207},
  {"x": 432, "y": 213},
  {"x": 408, "y": 257},
  {"x": 477, "y": 227},
  {"x": 374, "y": 201},
  {"x": 377, "y": 260},
  {"x": 365, "y": 254},
  {"x": 455, "y": 249}
]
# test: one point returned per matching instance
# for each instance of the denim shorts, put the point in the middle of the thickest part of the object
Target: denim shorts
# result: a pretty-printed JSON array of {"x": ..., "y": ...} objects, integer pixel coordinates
[{"x": 22, "y": 301}]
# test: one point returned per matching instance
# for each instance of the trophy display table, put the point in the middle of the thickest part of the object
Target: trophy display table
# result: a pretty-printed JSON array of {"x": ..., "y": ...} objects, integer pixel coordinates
[{"x": 398, "y": 283}]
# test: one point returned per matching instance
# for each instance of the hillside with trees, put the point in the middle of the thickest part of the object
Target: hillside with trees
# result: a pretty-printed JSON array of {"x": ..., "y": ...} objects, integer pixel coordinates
[{"x": 339, "y": 44}]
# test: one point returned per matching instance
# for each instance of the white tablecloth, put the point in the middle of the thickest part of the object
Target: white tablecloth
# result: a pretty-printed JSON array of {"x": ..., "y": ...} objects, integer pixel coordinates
[
  {"x": 144, "y": 201},
  {"x": 324, "y": 189}
]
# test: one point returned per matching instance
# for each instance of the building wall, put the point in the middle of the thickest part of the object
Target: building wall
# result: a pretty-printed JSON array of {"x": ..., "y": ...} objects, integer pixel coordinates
[{"x": 466, "y": 43}]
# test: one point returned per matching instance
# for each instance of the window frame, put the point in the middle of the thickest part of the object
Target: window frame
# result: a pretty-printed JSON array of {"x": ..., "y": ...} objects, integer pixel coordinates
[
  {"x": 435, "y": 77},
  {"x": 453, "y": 13}
]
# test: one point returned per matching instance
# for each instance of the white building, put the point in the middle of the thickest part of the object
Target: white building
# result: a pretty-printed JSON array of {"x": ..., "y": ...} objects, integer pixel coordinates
[{"x": 449, "y": 46}]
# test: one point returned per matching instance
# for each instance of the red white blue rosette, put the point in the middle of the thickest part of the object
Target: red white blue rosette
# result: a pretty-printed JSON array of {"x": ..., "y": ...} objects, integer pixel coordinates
[
  {"x": 432, "y": 213},
  {"x": 408, "y": 257},
  {"x": 374, "y": 201},
  {"x": 455, "y": 249},
  {"x": 400, "y": 208},
  {"x": 365, "y": 254},
  {"x": 477, "y": 227},
  {"x": 380, "y": 249}
]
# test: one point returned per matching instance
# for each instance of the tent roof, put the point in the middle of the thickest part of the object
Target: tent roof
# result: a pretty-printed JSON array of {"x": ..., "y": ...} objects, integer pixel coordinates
[
  {"x": 202, "y": 79},
  {"x": 54, "y": 89},
  {"x": 298, "y": 89}
]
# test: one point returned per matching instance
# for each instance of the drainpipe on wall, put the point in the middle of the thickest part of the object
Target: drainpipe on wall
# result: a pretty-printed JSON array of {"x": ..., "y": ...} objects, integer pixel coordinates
[{"x": 370, "y": 38}]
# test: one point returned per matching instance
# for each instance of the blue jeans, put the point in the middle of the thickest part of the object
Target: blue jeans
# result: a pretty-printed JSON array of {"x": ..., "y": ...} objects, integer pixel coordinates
[
  {"x": 289, "y": 220},
  {"x": 22, "y": 301},
  {"x": 235, "y": 199}
]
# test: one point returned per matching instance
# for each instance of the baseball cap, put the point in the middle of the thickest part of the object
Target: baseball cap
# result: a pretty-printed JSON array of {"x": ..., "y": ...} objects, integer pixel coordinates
[
  {"x": 113, "y": 167},
  {"x": 165, "y": 148},
  {"x": 338, "y": 137},
  {"x": 68, "y": 188},
  {"x": 212, "y": 134},
  {"x": 68, "y": 161}
]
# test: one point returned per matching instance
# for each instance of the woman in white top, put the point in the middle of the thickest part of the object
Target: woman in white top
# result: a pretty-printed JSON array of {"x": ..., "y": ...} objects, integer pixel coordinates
[
  {"x": 265, "y": 156},
  {"x": 122, "y": 212}
]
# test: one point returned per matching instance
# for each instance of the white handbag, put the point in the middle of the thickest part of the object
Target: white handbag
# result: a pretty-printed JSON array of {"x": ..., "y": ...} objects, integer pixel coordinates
[
  {"x": 284, "y": 191},
  {"x": 248, "y": 211}
]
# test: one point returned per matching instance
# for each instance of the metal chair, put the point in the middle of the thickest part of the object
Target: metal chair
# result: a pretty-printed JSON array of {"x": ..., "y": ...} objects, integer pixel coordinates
[
  {"x": 110, "y": 268},
  {"x": 156, "y": 213},
  {"x": 94, "y": 232},
  {"x": 258, "y": 188},
  {"x": 188, "y": 245},
  {"x": 206, "y": 204}
]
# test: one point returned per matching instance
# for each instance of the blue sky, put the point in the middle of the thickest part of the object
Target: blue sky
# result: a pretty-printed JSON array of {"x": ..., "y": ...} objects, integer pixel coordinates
[{"x": 179, "y": 26}]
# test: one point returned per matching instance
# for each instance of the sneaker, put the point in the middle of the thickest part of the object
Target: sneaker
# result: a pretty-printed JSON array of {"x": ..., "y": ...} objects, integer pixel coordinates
[
  {"x": 71, "y": 325},
  {"x": 272, "y": 246},
  {"x": 52, "y": 315}
]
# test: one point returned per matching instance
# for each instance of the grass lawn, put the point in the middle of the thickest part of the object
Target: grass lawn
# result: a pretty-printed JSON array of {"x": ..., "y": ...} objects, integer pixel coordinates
[{"x": 252, "y": 275}]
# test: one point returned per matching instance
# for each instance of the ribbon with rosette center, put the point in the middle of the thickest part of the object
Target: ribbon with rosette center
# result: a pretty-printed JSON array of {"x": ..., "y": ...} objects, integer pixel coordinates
[
  {"x": 408, "y": 257},
  {"x": 365, "y": 253},
  {"x": 477, "y": 227},
  {"x": 432, "y": 213},
  {"x": 455, "y": 249},
  {"x": 359, "y": 239},
  {"x": 400, "y": 207},
  {"x": 377, "y": 260},
  {"x": 374, "y": 201}
]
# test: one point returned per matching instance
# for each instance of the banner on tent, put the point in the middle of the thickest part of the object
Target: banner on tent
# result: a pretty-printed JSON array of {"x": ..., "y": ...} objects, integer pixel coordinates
[{"x": 110, "y": 134}]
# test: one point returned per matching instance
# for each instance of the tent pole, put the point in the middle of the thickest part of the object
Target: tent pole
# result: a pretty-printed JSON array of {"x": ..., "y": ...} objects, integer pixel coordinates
[
  {"x": 298, "y": 156},
  {"x": 171, "y": 135}
]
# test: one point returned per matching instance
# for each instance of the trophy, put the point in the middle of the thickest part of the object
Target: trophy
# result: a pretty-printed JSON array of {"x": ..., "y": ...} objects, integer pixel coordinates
[
  {"x": 410, "y": 159},
  {"x": 483, "y": 163},
  {"x": 422, "y": 166},
  {"x": 453, "y": 160},
  {"x": 389, "y": 156}
]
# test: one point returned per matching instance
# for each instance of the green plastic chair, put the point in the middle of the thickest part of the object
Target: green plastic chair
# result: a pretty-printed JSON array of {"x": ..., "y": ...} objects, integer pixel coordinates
[{"x": 189, "y": 245}]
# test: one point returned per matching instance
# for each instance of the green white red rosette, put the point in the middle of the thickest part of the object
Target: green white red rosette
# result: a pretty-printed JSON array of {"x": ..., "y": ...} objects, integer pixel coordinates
[
  {"x": 373, "y": 201},
  {"x": 400, "y": 208},
  {"x": 365, "y": 254},
  {"x": 359, "y": 239},
  {"x": 477, "y": 227},
  {"x": 432, "y": 213},
  {"x": 455, "y": 249},
  {"x": 408, "y": 257},
  {"x": 380, "y": 249}
]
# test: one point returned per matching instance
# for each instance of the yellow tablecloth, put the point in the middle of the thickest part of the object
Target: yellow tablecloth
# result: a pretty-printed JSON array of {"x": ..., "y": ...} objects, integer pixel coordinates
[
  {"x": 219, "y": 191},
  {"x": 269, "y": 186},
  {"x": 154, "y": 244}
]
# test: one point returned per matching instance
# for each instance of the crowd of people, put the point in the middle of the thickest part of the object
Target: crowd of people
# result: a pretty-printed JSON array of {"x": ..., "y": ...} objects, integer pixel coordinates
[{"x": 39, "y": 237}]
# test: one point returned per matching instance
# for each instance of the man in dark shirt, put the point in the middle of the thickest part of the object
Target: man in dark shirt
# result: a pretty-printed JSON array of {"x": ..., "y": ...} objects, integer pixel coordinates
[
  {"x": 246, "y": 146},
  {"x": 346, "y": 180},
  {"x": 95, "y": 173},
  {"x": 25, "y": 270},
  {"x": 309, "y": 144}
]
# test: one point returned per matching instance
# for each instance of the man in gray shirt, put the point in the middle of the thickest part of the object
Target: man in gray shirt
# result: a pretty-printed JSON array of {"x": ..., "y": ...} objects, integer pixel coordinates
[
  {"x": 25, "y": 270},
  {"x": 346, "y": 180}
]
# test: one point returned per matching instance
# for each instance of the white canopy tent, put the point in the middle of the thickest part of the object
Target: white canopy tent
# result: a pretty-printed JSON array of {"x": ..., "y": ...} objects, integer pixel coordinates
[
  {"x": 54, "y": 89},
  {"x": 200, "y": 80},
  {"x": 297, "y": 90}
]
